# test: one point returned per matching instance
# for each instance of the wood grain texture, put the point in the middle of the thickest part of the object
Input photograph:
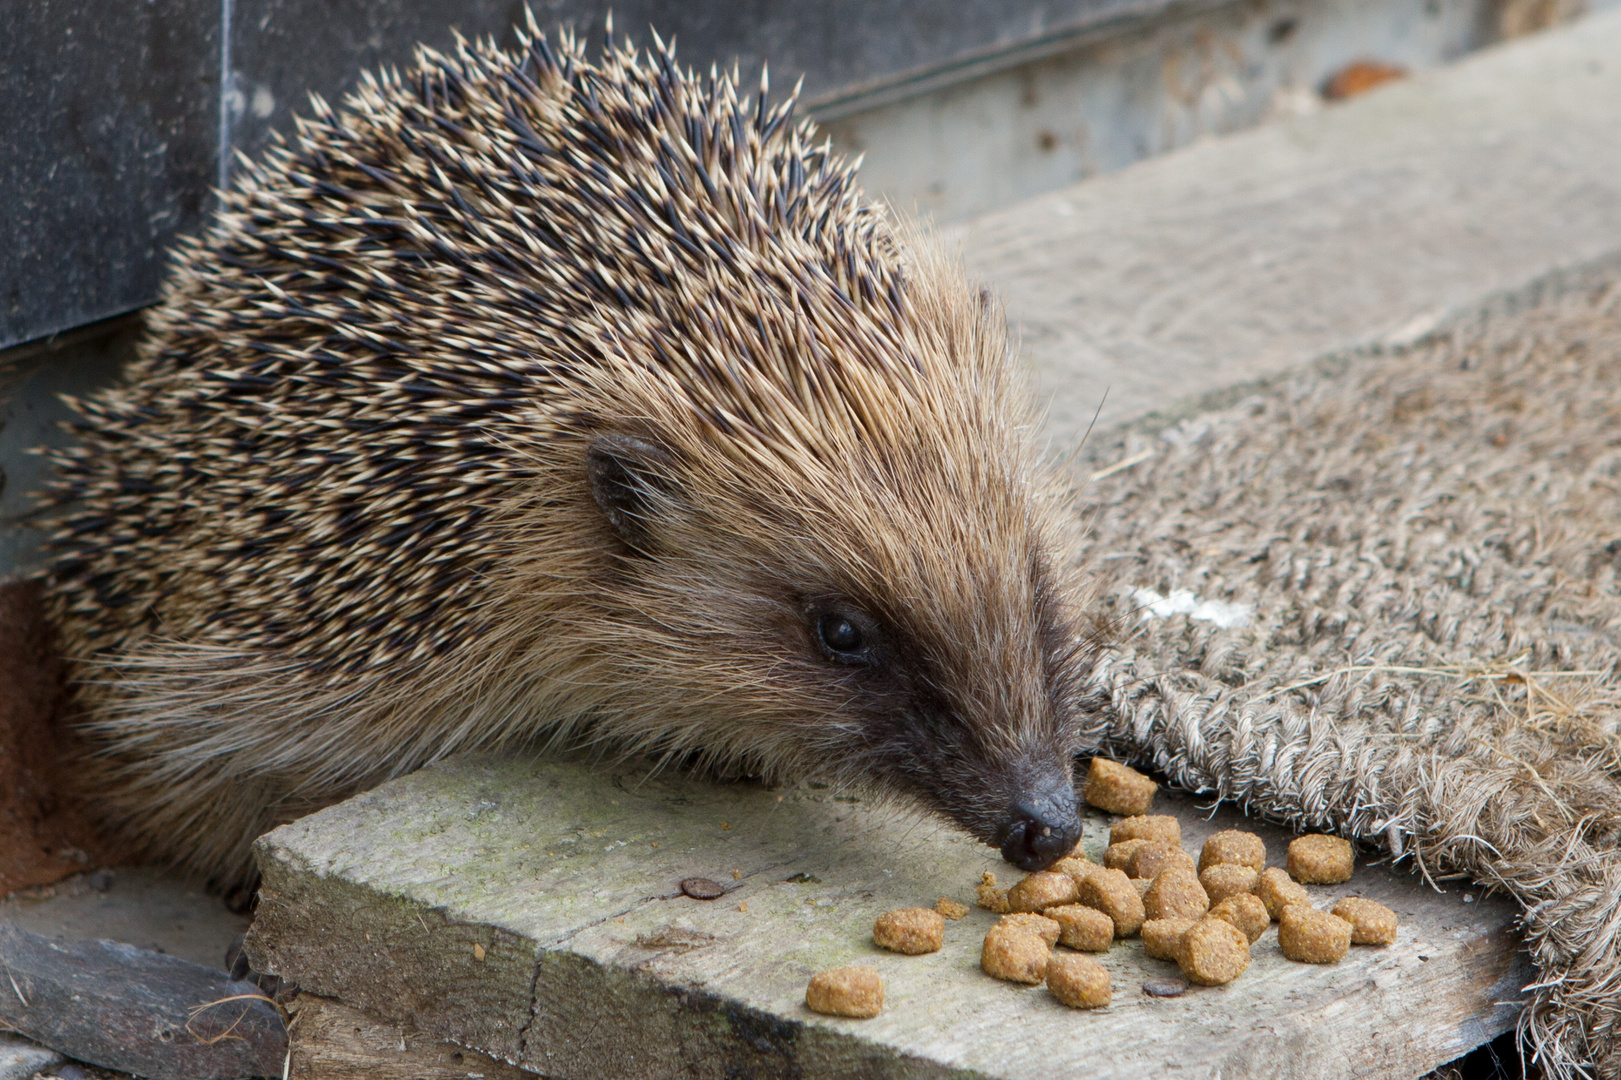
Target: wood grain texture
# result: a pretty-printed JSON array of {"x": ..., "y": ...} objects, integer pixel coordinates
[
  {"x": 333, "y": 1041},
  {"x": 1244, "y": 256},
  {"x": 524, "y": 909}
]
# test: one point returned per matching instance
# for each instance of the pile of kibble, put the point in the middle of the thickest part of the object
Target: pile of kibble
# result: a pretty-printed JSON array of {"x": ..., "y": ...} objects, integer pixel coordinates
[{"x": 1204, "y": 917}]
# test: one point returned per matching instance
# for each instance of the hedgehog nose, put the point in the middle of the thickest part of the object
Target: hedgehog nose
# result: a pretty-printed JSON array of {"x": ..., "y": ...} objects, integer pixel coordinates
[{"x": 1041, "y": 828}]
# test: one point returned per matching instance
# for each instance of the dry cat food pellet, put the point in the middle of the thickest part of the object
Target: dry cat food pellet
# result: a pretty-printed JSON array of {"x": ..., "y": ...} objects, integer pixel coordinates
[
  {"x": 1078, "y": 981},
  {"x": 1118, "y": 856},
  {"x": 1111, "y": 892},
  {"x": 912, "y": 930},
  {"x": 1277, "y": 891},
  {"x": 1083, "y": 928},
  {"x": 950, "y": 908},
  {"x": 1228, "y": 879},
  {"x": 1311, "y": 936},
  {"x": 1118, "y": 789},
  {"x": 847, "y": 991},
  {"x": 1075, "y": 866},
  {"x": 989, "y": 896},
  {"x": 1043, "y": 889},
  {"x": 1161, "y": 937},
  {"x": 1162, "y": 827},
  {"x": 1213, "y": 952},
  {"x": 1233, "y": 847},
  {"x": 1175, "y": 894},
  {"x": 1319, "y": 859},
  {"x": 1154, "y": 858},
  {"x": 1044, "y": 928},
  {"x": 1143, "y": 884},
  {"x": 1371, "y": 922},
  {"x": 1013, "y": 954},
  {"x": 1245, "y": 911}
]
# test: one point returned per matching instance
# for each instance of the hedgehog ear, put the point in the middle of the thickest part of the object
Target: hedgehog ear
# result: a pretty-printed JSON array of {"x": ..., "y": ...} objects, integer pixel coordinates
[{"x": 630, "y": 480}]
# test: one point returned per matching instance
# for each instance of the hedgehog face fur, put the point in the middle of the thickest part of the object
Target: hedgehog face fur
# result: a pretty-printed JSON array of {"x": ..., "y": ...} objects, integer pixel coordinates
[{"x": 528, "y": 399}]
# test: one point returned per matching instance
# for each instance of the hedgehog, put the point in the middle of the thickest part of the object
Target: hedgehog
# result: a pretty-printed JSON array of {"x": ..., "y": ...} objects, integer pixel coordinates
[{"x": 535, "y": 401}]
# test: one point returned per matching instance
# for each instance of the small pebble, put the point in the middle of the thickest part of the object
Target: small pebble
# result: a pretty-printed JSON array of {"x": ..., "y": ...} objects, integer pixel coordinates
[
  {"x": 1165, "y": 987},
  {"x": 1277, "y": 891},
  {"x": 1162, "y": 936},
  {"x": 1228, "y": 879},
  {"x": 1311, "y": 936},
  {"x": 1235, "y": 847},
  {"x": 1320, "y": 860},
  {"x": 1081, "y": 927},
  {"x": 1111, "y": 892},
  {"x": 912, "y": 931},
  {"x": 1046, "y": 929},
  {"x": 1175, "y": 894},
  {"x": 1078, "y": 981},
  {"x": 1213, "y": 952},
  {"x": 856, "y": 992},
  {"x": 1014, "y": 955},
  {"x": 951, "y": 909},
  {"x": 1043, "y": 889},
  {"x": 1162, "y": 827},
  {"x": 701, "y": 888},
  {"x": 1371, "y": 922},
  {"x": 1245, "y": 911},
  {"x": 1118, "y": 789}
]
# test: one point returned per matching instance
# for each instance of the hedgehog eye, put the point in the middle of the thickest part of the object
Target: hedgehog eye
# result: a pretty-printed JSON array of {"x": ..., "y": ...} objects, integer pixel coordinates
[{"x": 841, "y": 635}]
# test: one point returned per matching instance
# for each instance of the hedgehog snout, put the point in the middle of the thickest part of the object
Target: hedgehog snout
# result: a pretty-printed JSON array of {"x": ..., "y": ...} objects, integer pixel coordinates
[{"x": 1041, "y": 826}]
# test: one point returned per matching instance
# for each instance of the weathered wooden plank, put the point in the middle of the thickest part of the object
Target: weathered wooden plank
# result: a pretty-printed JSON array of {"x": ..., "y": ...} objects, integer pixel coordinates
[
  {"x": 533, "y": 911},
  {"x": 333, "y": 1041},
  {"x": 125, "y": 1008},
  {"x": 1241, "y": 257}
]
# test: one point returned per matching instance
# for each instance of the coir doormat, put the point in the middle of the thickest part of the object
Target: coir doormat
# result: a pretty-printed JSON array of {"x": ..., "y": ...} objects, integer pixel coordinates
[{"x": 1383, "y": 600}]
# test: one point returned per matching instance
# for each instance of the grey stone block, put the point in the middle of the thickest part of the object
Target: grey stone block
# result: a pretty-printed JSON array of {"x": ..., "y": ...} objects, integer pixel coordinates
[{"x": 21, "y": 1059}]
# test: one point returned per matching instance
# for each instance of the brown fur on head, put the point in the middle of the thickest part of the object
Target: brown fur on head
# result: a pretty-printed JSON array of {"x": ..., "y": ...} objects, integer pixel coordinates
[{"x": 530, "y": 399}]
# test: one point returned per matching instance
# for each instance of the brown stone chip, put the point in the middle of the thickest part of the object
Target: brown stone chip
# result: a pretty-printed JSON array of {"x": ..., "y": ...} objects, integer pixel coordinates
[
  {"x": 1165, "y": 987},
  {"x": 1118, "y": 856},
  {"x": 1320, "y": 860},
  {"x": 1162, "y": 827},
  {"x": 1081, "y": 927},
  {"x": 1014, "y": 954},
  {"x": 1078, "y": 981},
  {"x": 1154, "y": 858},
  {"x": 1277, "y": 891},
  {"x": 1175, "y": 894},
  {"x": 1111, "y": 892},
  {"x": 913, "y": 931},
  {"x": 1245, "y": 911},
  {"x": 702, "y": 888},
  {"x": 1311, "y": 936},
  {"x": 856, "y": 992},
  {"x": 1371, "y": 922},
  {"x": 1213, "y": 952},
  {"x": 1117, "y": 788},
  {"x": 950, "y": 909},
  {"x": 1046, "y": 929},
  {"x": 1043, "y": 889},
  {"x": 1162, "y": 936},
  {"x": 1228, "y": 879},
  {"x": 1233, "y": 847}
]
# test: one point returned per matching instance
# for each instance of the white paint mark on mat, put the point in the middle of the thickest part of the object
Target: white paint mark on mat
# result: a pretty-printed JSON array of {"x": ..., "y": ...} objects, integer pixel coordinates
[{"x": 1183, "y": 602}]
